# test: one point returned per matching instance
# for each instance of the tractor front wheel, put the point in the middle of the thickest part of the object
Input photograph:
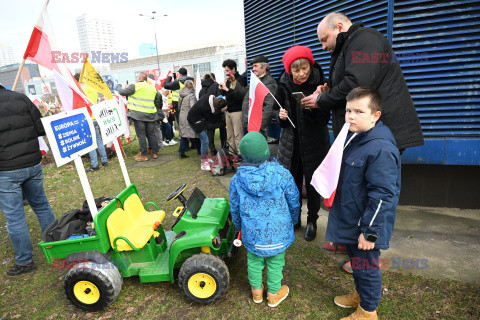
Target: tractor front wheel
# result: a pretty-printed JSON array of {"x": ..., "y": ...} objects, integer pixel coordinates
[
  {"x": 92, "y": 286},
  {"x": 203, "y": 278}
]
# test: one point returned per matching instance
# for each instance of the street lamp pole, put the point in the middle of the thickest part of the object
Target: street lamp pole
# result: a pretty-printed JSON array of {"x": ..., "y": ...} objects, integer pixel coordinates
[{"x": 156, "y": 43}]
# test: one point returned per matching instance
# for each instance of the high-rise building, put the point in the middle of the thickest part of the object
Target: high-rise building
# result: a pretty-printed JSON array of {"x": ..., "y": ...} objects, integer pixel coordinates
[
  {"x": 95, "y": 34},
  {"x": 6, "y": 55}
]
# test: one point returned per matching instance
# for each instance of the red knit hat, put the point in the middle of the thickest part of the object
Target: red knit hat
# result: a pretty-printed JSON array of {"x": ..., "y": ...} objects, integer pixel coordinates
[{"x": 294, "y": 53}]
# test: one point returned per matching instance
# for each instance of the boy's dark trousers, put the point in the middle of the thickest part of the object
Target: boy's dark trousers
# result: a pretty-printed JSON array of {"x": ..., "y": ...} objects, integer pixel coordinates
[{"x": 366, "y": 275}]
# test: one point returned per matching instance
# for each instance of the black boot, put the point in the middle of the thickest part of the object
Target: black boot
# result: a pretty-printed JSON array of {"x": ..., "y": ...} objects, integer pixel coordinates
[{"x": 311, "y": 232}]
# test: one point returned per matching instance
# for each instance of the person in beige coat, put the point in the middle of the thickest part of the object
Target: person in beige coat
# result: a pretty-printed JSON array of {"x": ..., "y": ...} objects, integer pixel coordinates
[{"x": 186, "y": 101}]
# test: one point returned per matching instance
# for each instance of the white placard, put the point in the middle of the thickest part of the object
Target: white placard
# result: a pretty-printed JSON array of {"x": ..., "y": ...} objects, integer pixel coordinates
[
  {"x": 70, "y": 134},
  {"x": 109, "y": 119}
]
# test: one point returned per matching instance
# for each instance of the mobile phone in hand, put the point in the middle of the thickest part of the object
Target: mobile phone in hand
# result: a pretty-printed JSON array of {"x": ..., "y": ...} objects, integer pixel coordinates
[{"x": 299, "y": 96}]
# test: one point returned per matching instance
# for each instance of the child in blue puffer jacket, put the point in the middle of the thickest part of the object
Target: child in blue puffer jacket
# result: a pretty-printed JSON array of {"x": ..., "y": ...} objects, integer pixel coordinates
[{"x": 264, "y": 205}]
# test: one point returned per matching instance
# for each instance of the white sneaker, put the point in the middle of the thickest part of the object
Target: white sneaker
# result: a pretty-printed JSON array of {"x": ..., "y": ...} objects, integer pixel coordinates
[{"x": 173, "y": 142}]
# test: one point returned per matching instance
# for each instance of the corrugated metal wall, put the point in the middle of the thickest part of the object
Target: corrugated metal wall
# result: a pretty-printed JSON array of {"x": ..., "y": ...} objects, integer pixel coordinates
[{"x": 437, "y": 44}]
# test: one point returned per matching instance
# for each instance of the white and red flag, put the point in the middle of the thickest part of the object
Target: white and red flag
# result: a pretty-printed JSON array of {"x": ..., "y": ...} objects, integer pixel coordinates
[
  {"x": 325, "y": 178},
  {"x": 72, "y": 97},
  {"x": 39, "y": 50},
  {"x": 257, "y": 93}
]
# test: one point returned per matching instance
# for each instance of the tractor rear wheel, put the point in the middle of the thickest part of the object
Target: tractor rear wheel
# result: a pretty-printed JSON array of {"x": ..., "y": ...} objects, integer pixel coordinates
[
  {"x": 203, "y": 278},
  {"x": 91, "y": 286}
]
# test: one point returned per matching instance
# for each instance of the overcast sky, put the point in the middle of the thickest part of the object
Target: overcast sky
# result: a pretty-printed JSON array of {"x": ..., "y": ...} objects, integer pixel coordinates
[{"x": 189, "y": 22}]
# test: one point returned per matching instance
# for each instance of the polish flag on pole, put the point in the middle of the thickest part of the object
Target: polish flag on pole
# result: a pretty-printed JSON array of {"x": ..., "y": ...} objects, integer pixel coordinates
[
  {"x": 71, "y": 96},
  {"x": 41, "y": 45},
  {"x": 257, "y": 93},
  {"x": 325, "y": 178}
]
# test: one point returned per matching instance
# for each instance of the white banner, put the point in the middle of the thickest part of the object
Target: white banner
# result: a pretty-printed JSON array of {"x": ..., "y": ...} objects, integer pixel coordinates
[{"x": 109, "y": 119}]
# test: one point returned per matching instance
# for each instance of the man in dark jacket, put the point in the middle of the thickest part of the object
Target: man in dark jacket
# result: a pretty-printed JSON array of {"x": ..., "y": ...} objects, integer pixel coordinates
[
  {"x": 175, "y": 86},
  {"x": 211, "y": 87},
  {"x": 261, "y": 69},
  {"x": 21, "y": 171},
  {"x": 234, "y": 91},
  {"x": 363, "y": 57}
]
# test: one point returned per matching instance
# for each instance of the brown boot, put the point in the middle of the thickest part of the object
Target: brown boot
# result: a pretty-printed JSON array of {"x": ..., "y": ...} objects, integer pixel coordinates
[
  {"x": 139, "y": 154},
  {"x": 155, "y": 155},
  {"x": 361, "y": 314},
  {"x": 351, "y": 300},
  {"x": 275, "y": 299},
  {"x": 257, "y": 295},
  {"x": 142, "y": 158},
  {"x": 150, "y": 151}
]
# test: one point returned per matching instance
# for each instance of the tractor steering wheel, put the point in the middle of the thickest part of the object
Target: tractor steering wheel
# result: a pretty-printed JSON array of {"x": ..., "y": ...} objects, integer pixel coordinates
[{"x": 178, "y": 193}]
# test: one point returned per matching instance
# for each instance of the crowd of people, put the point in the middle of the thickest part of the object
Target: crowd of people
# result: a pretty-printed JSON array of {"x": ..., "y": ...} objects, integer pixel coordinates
[{"x": 265, "y": 193}]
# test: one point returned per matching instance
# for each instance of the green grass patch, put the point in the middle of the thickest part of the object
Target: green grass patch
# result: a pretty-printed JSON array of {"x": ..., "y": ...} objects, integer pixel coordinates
[{"x": 314, "y": 279}]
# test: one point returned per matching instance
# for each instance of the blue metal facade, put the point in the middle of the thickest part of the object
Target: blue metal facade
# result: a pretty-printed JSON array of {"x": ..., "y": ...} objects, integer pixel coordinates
[{"x": 437, "y": 44}]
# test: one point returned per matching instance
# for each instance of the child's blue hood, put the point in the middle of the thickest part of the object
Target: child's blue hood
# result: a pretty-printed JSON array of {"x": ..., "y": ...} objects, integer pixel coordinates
[{"x": 259, "y": 179}]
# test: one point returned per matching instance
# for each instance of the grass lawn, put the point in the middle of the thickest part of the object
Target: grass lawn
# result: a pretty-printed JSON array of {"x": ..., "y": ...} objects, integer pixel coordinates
[{"x": 314, "y": 279}]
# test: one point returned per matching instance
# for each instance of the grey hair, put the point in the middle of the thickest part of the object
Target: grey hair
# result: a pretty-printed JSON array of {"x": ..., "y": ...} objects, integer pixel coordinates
[
  {"x": 335, "y": 17},
  {"x": 299, "y": 62}
]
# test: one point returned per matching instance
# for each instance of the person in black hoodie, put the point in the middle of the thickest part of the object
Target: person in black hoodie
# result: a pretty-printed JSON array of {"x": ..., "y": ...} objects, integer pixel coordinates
[
  {"x": 210, "y": 87},
  {"x": 363, "y": 57},
  {"x": 21, "y": 170},
  {"x": 234, "y": 90},
  {"x": 302, "y": 149}
]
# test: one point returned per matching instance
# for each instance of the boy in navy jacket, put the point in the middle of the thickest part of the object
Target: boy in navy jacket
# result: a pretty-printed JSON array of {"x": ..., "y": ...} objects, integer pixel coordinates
[
  {"x": 363, "y": 212},
  {"x": 264, "y": 206}
]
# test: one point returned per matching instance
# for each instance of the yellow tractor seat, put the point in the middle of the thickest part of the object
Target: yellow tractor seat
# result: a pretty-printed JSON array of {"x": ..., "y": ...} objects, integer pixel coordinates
[
  {"x": 121, "y": 224},
  {"x": 141, "y": 217}
]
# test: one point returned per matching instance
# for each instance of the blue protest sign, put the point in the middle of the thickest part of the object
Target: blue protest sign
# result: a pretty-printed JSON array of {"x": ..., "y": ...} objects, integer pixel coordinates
[{"x": 70, "y": 135}]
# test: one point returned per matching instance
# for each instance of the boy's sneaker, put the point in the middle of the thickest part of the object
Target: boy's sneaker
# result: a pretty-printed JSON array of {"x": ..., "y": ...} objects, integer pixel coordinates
[
  {"x": 351, "y": 300},
  {"x": 173, "y": 142},
  {"x": 361, "y": 314},
  {"x": 257, "y": 295},
  {"x": 275, "y": 299},
  {"x": 93, "y": 169},
  {"x": 333, "y": 247},
  {"x": 348, "y": 267},
  {"x": 205, "y": 166},
  {"x": 17, "y": 269}
]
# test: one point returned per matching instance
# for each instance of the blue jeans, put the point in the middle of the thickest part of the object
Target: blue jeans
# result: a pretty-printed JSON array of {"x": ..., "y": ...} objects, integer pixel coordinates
[
  {"x": 12, "y": 183},
  {"x": 366, "y": 275},
  {"x": 203, "y": 144},
  {"x": 167, "y": 131},
  {"x": 101, "y": 148},
  {"x": 183, "y": 145}
]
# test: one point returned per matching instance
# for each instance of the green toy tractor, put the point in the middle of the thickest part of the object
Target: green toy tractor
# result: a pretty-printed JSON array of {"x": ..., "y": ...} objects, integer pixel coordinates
[{"x": 130, "y": 241}]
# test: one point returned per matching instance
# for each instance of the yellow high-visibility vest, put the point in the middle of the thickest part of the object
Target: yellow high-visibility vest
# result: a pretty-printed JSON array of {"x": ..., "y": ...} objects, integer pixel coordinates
[
  {"x": 176, "y": 93},
  {"x": 143, "y": 100}
]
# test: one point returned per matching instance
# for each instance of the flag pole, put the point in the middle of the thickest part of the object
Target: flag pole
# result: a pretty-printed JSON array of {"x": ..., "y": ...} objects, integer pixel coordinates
[
  {"x": 282, "y": 109},
  {"x": 18, "y": 75}
]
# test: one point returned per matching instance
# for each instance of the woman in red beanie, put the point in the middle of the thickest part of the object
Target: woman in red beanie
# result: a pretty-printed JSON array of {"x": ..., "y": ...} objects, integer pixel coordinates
[{"x": 302, "y": 149}]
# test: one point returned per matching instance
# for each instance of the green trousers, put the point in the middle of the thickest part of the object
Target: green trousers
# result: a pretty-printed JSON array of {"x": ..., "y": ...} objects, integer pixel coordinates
[{"x": 275, "y": 264}]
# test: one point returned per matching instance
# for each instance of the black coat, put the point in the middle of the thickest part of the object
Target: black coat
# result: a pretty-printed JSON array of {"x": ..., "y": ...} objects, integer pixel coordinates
[
  {"x": 234, "y": 97},
  {"x": 364, "y": 57},
  {"x": 310, "y": 139},
  {"x": 20, "y": 127},
  {"x": 200, "y": 114},
  {"x": 210, "y": 87}
]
